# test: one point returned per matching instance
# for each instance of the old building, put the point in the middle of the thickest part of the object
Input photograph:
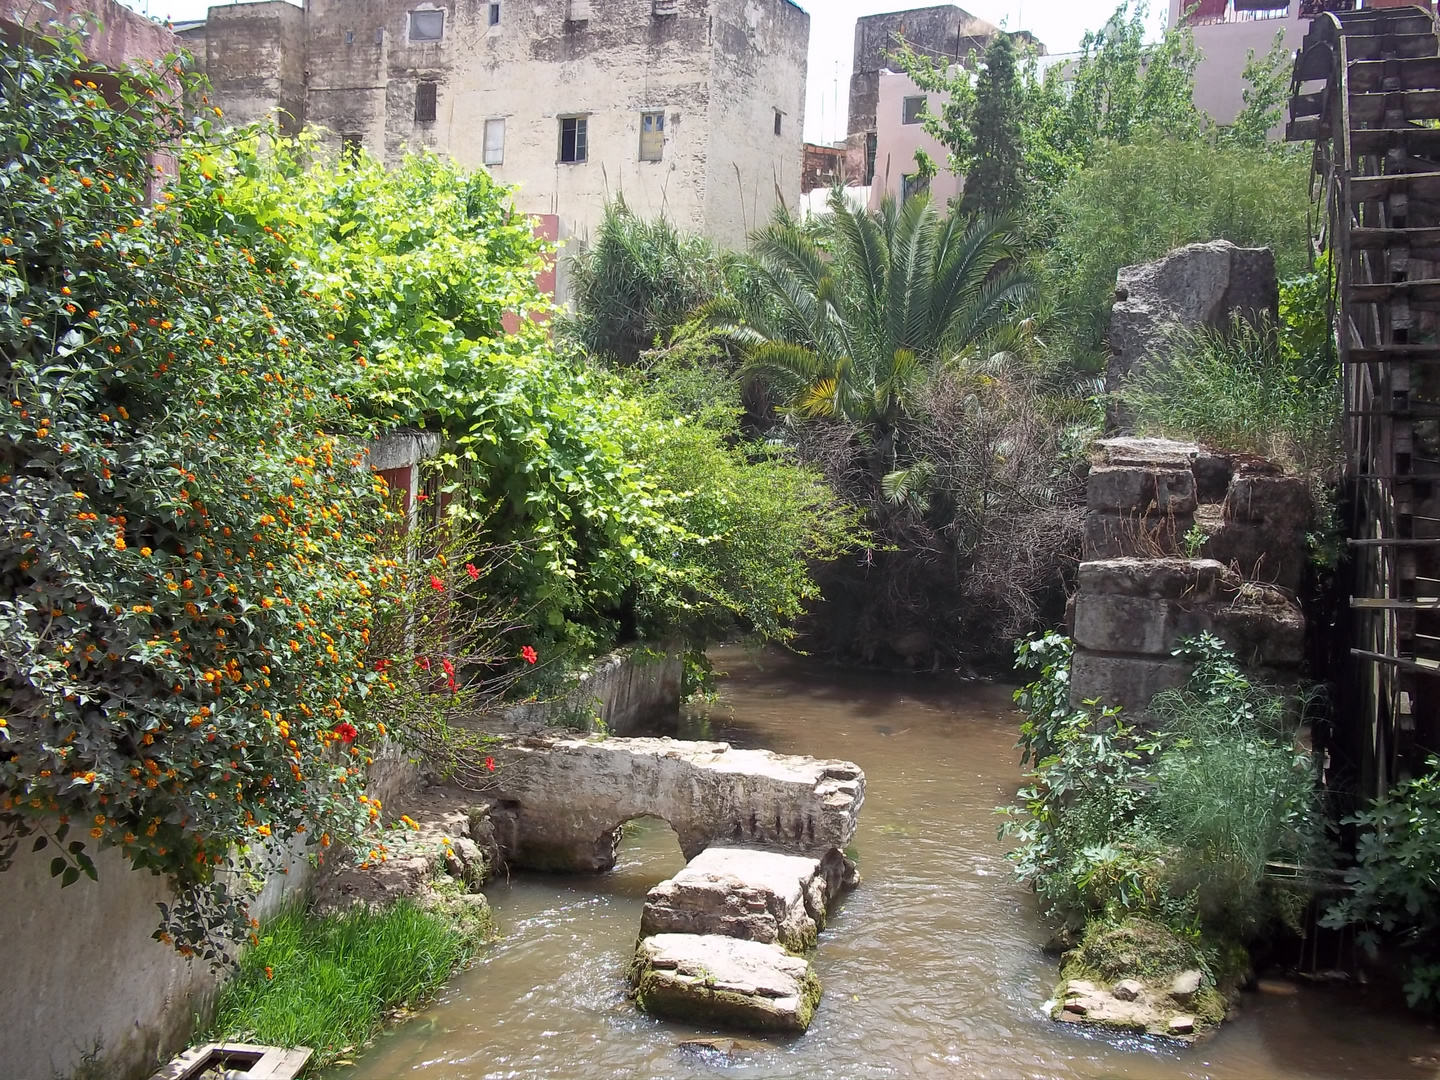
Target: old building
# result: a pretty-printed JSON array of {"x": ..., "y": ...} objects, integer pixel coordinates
[
  {"x": 691, "y": 108},
  {"x": 1225, "y": 33}
]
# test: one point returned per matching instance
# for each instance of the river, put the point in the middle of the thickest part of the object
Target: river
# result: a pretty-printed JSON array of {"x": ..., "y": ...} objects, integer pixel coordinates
[{"x": 932, "y": 967}]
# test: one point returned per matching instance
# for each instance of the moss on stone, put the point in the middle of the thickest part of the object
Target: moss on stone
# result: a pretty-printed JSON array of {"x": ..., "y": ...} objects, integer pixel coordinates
[
  {"x": 467, "y": 912},
  {"x": 1133, "y": 949}
]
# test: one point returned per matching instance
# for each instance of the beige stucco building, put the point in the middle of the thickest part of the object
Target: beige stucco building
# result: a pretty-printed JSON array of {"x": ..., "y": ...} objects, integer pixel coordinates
[{"x": 690, "y": 108}]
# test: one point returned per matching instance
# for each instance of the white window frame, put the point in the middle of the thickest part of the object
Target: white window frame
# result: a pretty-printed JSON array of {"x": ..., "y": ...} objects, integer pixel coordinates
[
  {"x": 494, "y": 155},
  {"x": 410, "y": 26},
  {"x": 919, "y": 116}
]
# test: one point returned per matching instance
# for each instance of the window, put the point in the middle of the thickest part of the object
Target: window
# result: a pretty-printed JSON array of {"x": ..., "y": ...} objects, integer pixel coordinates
[
  {"x": 578, "y": 11},
  {"x": 379, "y": 35},
  {"x": 662, "y": 8},
  {"x": 913, "y": 184},
  {"x": 914, "y": 109},
  {"x": 349, "y": 37},
  {"x": 574, "y": 147},
  {"x": 652, "y": 136},
  {"x": 779, "y": 121},
  {"x": 495, "y": 142},
  {"x": 872, "y": 145},
  {"x": 425, "y": 103},
  {"x": 494, "y": 14},
  {"x": 427, "y": 25}
]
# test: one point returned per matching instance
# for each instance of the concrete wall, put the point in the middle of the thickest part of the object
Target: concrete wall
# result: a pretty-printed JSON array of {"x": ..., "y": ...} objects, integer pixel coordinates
[
  {"x": 633, "y": 691},
  {"x": 1224, "y": 48},
  {"x": 897, "y": 142},
  {"x": 122, "y": 36},
  {"x": 82, "y": 971},
  {"x": 759, "y": 54},
  {"x": 944, "y": 30}
]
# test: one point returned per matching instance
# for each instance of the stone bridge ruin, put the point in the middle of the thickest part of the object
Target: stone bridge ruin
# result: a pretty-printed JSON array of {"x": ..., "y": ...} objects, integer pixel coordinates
[{"x": 560, "y": 802}]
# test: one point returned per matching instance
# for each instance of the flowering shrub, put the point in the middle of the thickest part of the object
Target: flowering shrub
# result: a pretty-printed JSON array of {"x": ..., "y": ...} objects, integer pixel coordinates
[{"x": 188, "y": 579}]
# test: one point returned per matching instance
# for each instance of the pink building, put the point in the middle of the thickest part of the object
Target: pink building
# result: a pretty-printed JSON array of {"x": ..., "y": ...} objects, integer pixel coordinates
[
  {"x": 1225, "y": 33},
  {"x": 899, "y": 132}
]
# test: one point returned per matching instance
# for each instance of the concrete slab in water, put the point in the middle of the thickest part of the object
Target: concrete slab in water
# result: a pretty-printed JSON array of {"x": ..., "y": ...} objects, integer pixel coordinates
[{"x": 727, "y": 981}]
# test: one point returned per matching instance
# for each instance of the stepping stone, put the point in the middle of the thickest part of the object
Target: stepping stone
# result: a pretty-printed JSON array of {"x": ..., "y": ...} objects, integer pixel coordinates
[
  {"x": 748, "y": 893},
  {"x": 732, "y": 982}
]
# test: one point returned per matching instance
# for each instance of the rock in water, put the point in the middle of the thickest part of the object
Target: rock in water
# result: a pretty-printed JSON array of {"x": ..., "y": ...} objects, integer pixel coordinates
[
  {"x": 711, "y": 979},
  {"x": 759, "y": 895}
]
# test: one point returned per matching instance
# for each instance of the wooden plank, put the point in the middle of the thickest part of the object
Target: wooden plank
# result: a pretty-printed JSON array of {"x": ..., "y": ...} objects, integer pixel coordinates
[
  {"x": 1394, "y": 541},
  {"x": 1419, "y": 73},
  {"x": 1375, "y": 603},
  {"x": 1417, "y": 185},
  {"x": 1397, "y": 661},
  {"x": 1371, "y": 108},
  {"x": 1401, "y": 45},
  {"x": 1420, "y": 291}
]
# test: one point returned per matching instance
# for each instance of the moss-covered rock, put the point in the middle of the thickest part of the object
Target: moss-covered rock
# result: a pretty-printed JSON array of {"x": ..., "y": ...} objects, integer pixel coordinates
[{"x": 731, "y": 982}]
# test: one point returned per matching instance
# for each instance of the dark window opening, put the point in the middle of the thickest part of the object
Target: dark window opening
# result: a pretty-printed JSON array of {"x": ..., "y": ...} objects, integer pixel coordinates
[
  {"x": 425, "y": 98},
  {"x": 427, "y": 25},
  {"x": 574, "y": 139},
  {"x": 913, "y": 184},
  {"x": 914, "y": 110},
  {"x": 779, "y": 121},
  {"x": 494, "y": 14},
  {"x": 872, "y": 145},
  {"x": 349, "y": 37},
  {"x": 379, "y": 35}
]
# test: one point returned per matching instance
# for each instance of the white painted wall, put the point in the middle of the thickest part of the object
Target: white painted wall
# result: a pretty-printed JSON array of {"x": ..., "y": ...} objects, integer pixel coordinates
[{"x": 896, "y": 143}]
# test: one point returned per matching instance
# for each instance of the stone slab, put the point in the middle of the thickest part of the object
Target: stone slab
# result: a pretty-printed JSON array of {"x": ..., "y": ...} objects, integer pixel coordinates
[
  {"x": 1125, "y": 681},
  {"x": 749, "y": 893},
  {"x": 1135, "y": 450},
  {"x": 726, "y": 981},
  {"x": 565, "y": 799},
  {"x": 1190, "y": 580},
  {"x": 1141, "y": 489}
]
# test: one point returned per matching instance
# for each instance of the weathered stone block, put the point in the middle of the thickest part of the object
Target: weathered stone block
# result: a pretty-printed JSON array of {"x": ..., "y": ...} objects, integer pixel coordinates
[
  {"x": 1281, "y": 503},
  {"x": 566, "y": 798},
  {"x": 1168, "y": 579},
  {"x": 1135, "y": 450},
  {"x": 1125, "y": 681},
  {"x": 724, "y": 980},
  {"x": 1258, "y": 553},
  {"x": 1144, "y": 490},
  {"x": 749, "y": 893},
  {"x": 1127, "y": 624},
  {"x": 1114, "y": 536}
]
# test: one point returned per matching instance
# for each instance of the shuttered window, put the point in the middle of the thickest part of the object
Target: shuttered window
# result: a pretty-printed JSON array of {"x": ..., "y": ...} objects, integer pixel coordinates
[
  {"x": 425, "y": 103},
  {"x": 578, "y": 11},
  {"x": 652, "y": 136},
  {"x": 914, "y": 109},
  {"x": 495, "y": 142}
]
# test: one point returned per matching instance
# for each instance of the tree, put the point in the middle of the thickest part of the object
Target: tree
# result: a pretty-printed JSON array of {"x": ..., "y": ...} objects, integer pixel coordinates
[
  {"x": 994, "y": 183},
  {"x": 1268, "y": 85},
  {"x": 850, "y": 330},
  {"x": 1117, "y": 88}
]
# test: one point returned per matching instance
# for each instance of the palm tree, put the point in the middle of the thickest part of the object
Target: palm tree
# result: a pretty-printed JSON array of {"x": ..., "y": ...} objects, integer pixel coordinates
[{"x": 846, "y": 324}]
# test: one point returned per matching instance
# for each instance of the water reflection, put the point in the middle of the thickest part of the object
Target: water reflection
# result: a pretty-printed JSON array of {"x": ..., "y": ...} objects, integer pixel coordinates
[{"x": 932, "y": 968}]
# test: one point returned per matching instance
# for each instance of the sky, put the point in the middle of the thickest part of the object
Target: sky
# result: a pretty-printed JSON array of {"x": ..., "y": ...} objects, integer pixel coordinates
[{"x": 1058, "y": 23}]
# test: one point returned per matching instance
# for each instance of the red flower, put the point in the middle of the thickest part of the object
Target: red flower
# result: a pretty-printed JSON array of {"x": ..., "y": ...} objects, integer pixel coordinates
[
  {"x": 470, "y": 569},
  {"x": 449, "y": 673},
  {"x": 436, "y": 583},
  {"x": 424, "y": 662},
  {"x": 490, "y": 763},
  {"x": 382, "y": 665},
  {"x": 347, "y": 731},
  {"x": 529, "y": 655}
]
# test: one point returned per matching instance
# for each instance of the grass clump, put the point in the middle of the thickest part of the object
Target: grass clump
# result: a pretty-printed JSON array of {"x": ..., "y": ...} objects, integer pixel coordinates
[{"x": 328, "y": 982}]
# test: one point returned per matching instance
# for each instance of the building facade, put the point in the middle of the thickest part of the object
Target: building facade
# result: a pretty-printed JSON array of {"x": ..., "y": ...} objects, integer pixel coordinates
[
  {"x": 1225, "y": 32},
  {"x": 689, "y": 108}
]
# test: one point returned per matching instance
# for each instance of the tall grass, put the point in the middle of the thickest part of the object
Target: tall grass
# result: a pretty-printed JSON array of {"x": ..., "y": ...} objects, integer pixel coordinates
[
  {"x": 328, "y": 982},
  {"x": 1241, "y": 390}
]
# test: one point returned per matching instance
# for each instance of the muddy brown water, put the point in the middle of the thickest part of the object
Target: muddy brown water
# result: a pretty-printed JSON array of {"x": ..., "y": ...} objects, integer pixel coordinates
[{"x": 932, "y": 968}]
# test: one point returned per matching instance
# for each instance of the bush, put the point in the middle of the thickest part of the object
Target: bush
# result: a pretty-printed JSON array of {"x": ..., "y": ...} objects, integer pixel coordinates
[
  {"x": 1136, "y": 202},
  {"x": 1175, "y": 824},
  {"x": 327, "y": 982},
  {"x": 188, "y": 577},
  {"x": 1242, "y": 390},
  {"x": 1396, "y": 880}
]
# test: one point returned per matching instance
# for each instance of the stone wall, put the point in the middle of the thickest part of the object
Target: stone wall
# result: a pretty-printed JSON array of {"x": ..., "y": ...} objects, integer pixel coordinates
[
  {"x": 1178, "y": 541},
  {"x": 632, "y": 691}
]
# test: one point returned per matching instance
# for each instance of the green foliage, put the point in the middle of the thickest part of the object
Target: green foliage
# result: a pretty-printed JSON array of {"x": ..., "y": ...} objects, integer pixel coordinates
[
  {"x": 1245, "y": 390},
  {"x": 1396, "y": 880},
  {"x": 1136, "y": 202},
  {"x": 189, "y": 566},
  {"x": 994, "y": 182},
  {"x": 636, "y": 282},
  {"x": 1175, "y": 825},
  {"x": 327, "y": 982},
  {"x": 1117, "y": 89},
  {"x": 850, "y": 330},
  {"x": 1267, "y": 87}
]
